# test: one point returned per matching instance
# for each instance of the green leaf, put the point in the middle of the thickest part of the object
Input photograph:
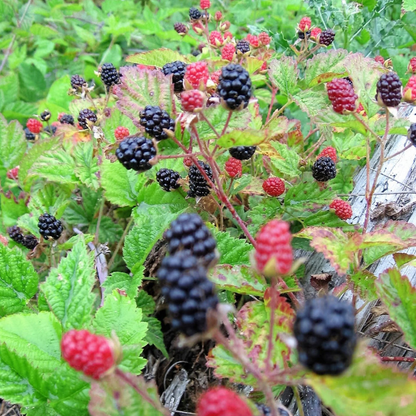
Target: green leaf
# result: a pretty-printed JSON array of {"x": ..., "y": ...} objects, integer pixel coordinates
[
  {"x": 232, "y": 250},
  {"x": 116, "y": 119},
  {"x": 284, "y": 74},
  {"x": 367, "y": 389},
  {"x": 327, "y": 116},
  {"x": 122, "y": 281},
  {"x": 69, "y": 244},
  {"x": 120, "y": 185},
  {"x": 398, "y": 294},
  {"x": 86, "y": 168},
  {"x": 58, "y": 93},
  {"x": 11, "y": 210},
  {"x": 266, "y": 210},
  {"x": 51, "y": 198},
  {"x": 18, "y": 280},
  {"x": 409, "y": 5},
  {"x": 364, "y": 282},
  {"x": 12, "y": 143},
  {"x": 287, "y": 163},
  {"x": 110, "y": 231},
  {"x": 68, "y": 288},
  {"x": 157, "y": 57},
  {"x": 120, "y": 314},
  {"x": 154, "y": 334},
  {"x": 312, "y": 101},
  {"x": 247, "y": 137}
]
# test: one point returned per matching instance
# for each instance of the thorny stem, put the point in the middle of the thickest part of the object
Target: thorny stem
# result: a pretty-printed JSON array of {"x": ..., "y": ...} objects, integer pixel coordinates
[
  {"x": 398, "y": 153},
  {"x": 315, "y": 146},
  {"x": 177, "y": 156},
  {"x": 278, "y": 112},
  {"x": 100, "y": 214},
  {"x": 274, "y": 92},
  {"x": 227, "y": 123},
  {"x": 209, "y": 124},
  {"x": 271, "y": 329},
  {"x": 120, "y": 242},
  {"x": 298, "y": 401},
  {"x": 399, "y": 359},
  {"x": 289, "y": 293}
]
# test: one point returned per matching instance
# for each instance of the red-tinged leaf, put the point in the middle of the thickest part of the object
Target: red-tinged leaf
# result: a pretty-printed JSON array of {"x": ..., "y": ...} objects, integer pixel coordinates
[
  {"x": 142, "y": 87},
  {"x": 281, "y": 128},
  {"x": 367, "y": 388},
  {"x": 399, "y": 296},
  {"x": 326, "y": 77},
  {"x": 246, "y": 137},
  {"x": 404, "y": 259}
]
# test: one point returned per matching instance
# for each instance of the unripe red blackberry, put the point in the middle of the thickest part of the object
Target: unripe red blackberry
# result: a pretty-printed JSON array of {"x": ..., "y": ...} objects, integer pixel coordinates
[
  {"x": 218, "y": 16},
  {"x": 235, "y": 87},
  {"x": 136, "y": 152},
  {"x": 194, "y": 14},
  {"x": 30, "y": 241},
  {"x": 389, "y": 90},
  {"x": 177, "y": 69},
  {"x": 326, "y": 37},
  {"x": 342, "y": 209},
  {"x": 379, "y": 59},
  {"x": 264, "y": 38},
  {"x": 168, "y": 179},
  {"x": 205, "y": 4},
  {"x": 215, "y": 38},
  {"x": 13, "y": 173},
  {"x": 233, "y": 167},
  {"x": 192, "y": 100},
  {"x": 315, "y": 33},
  {"x": 328, "y": 152},
  {"x": 228, "y": 52},
  {"x": 121, "y": 133},
  {"x": 198, "y": 185},
  {"x": 324, "y": 330},
  {"x": 180, "y": 28},
  {"x": 253, "y": 40},
  {"x": 109, "y": 75},
  {"x": 86, "y": 118},
  {"x": 305, "y": 24},
  {"x": 243, "y": 46},
  {"x": 155, "y": 120},
  {"x": 197, "y": 74},
  {"x": 35, "y": 126},
  {"x": 411, "y": 134},
  {"x": 188, "y": 292},
  {"x": 274, "y": 186},
  {"x": 242, "y": 152},
  {"x": 77, "y": 82},
  {"x": 67, "y": 119},
  {"x": 412, "y": 65},
  {"x": 341, "y": 93},
  {"x": 410, "y": 90},
  {"x": 324, "y": 169},
  {"x": 50, "y": 227},
  {"x": 15, "y": 233}
]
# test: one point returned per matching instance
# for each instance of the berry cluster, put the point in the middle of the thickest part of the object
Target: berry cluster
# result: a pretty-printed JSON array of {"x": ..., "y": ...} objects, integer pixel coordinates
[
  {"x": 50, "y": 227},
  {"x": 192, "y": 100},
  {"x": 274, "y": 186},
  {"x": 409, "y": 93},
  {"x": 66, "y": 119},
  {"x": 86, "y": 118},
  {"x": 328, "y": 152},
  {"x": 77, "y": 82},
  {"x": 168, "y": 179},
  {"x": 156, "y": 121},
  {"x": 197, "y": 75},
  {"x": 121, "y": 132},
  {"x": 324, "y": 169},
  {"x": 235, "y": 86},
  {"x": 34, "y": 126},
  {"x": 242, "y": 152},
  {"x": 389, "y": 90},
  {"x": 29, "y": 241},
  {"x": 341, "y": 93},
  {"x": 109, "y": 75},
  {"x": 342, "y": 209},
  {"x": 233, "y": 167},
  {"x": 177, "y": 70},
  {"x": 198, "y": 185},
  {"x": 136, "y": 152}
]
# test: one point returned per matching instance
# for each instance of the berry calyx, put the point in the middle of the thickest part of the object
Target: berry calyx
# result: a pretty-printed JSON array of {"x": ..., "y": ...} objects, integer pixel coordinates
[
  {"x": 324, "y": 330},
  {"x": 305, "y": 24},
  {"x": 220, "y": 401},
  {"x": 218, "y": 16},
  {"x": 264, "y": 39},
  {"x": 326, "y": 37},
  {"x": 168, "y": 179},
  {"x": 235, "y": 86},
  {"x": 253, "y": 40},
  {"x": 324, "y": 169},
  {"x": 13, "y": 173},
  {"x": 205, "y": 4},
  {"x": 192, "y": 100},
  {"x": 315, "y": 32},
  {"x": 273, "y": 243},
  {"x": 34, "y": 126},
  {"x": 379, "y": 59},
  {"x": 50, "y": 227},
  {"x": 92, "y": 354},
  {"x": 341, "y": 93},
  {"x": 412, "y": 65},
  {"x": 342, "y": 209},
  {"x": 328, "y": 152},
  {"x": 233, "y": 167},
  {"x": 121, "y": 132},
  {"x": 274, "y": 186},
  {"x": 389, "y": 90},
  {"x": 197, "y": 75},
  {"x": 136, "y": 152},
  {"x": 228, "y": 52}
]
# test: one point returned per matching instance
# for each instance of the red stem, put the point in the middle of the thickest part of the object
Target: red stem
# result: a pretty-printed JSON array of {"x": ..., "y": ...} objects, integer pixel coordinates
[
  {"x": 274, "y": 92},
  {"x": 398, "y": 359}
]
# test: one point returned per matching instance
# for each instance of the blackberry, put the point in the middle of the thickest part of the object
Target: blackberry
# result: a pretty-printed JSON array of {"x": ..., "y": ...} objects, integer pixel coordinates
[
  {"x": 324, "y": 169},
  {"x": 135, "y": 153},
  {"x": 194, "y": 13},
  {"x": 243, "y": 46},
  {"x": 324, "y": 329},
  {"x": 301, "y": 35},
  {"x": 45, "y": 115},
  {"x": 242, "y": 152},
  {"x": 49, "y": 227},
  {"x": 168, "y": 179},
  {"x": 349, "y": 80},
  {"x": 51, "y": 130},
  {"x": 15, "y": 233},
  {"x": 198, "y": 185},
  {"x": 411, "y": 134},
  {"x": 265, "y": 410},
  {"x": 188, "y": 232},
  {"x": 85, "y": 116},
  {"x": 177, "y": 70},
  {"x": 188, "y": 292},
  {"x": 180, "y": 28},
  {"x": 77, "y": 82},
  {"x": 109, "y": 75},
  {"x": 29, "y": 135},
  {"x": 67, "y": 119},
  {"x": 30, "y": 241},
  {"x": 389, "y": 90},
  {"x": 234, "y": 86},
  {"x": 154, "y": 119},
  {"x": 326, "y": 37}
]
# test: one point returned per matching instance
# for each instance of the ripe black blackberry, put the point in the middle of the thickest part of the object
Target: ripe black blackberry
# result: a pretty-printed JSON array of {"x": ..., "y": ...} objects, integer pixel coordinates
[
  {"x": 168, "y": 179},
  {"x": 67, "y": 119},
  {"x": 15, "y": 233},
  {"x": 180, "y": 28},
  {"x": 242, "y": 152},
  {"x": 389, "y": 90},
  {"x": 188, "y": 232},
  {"x": 188, "y": 292},
  {"x": 324, "y": 169},
  {"x": 324, "y": 329},
  {"x": 109, "y": 75},
  {"x": 29, "y": 135},
  {"x": 154, "y": 119},
  {"x": 45, "y": 115},
  {"x": 194, "y": 13},
  {"x": 135, "y": 152},
  {"x": 326, "y": 37},
  {"x": 177, "y": 70},
  {"x": 243, "y": 46},
  {"x": 198, "y": 185},
  {"x": 411, "y": 134},
  {"x": 51, "y": 130},
  {"x": 50, "y": 227},
  {"x": 77, "y": 82},
  {"x": 349, "y": 80},
  {"x": 267, "y": 412},
  {"x": 301, "y": 35},
  {"x": 85, "y": 116},
  {"x": 234, "y": 86},
  {"x": 30, "y": 241}
]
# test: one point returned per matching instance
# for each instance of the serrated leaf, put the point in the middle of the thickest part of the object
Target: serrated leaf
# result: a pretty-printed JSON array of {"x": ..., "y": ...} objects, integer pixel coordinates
[
  {"x": 86, "y": 164},
  {"x": 281, "y": 128},
  {"x": 247, "y": 137},
  {"x": 287, "y": 163},
  {"x": 238, "y": 279},
  {"x": 159, "y": 200},
  {"x": 12, "y": 143},
  {"x": 284, "y": 74},
  {"x": 51, "y": 198},
  {"x": 398, "y": 294},
  {"x": 154, "y": 334},
  {"x": 18, "y": 280},
  {"x": 364, "y": 282},
  {"x": 157, "y": 57},
  {"x": 11, "y": 209},
  {"x": 68, "y": 288},
  {"x": 122, "y": 281},
  {"x": 69, "y": 244},
  {"x": 409, "y": 5},
  {"x": 327, "y": 116},
  {"x": 120, "y": 185},
  {"x": 116, "y": 119},
  {"x": 312, "y": 101},
  {"x": 233, "y": 251},
  {"x": 120, "y": 314},
  {"x": 110, "y": 231}
]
